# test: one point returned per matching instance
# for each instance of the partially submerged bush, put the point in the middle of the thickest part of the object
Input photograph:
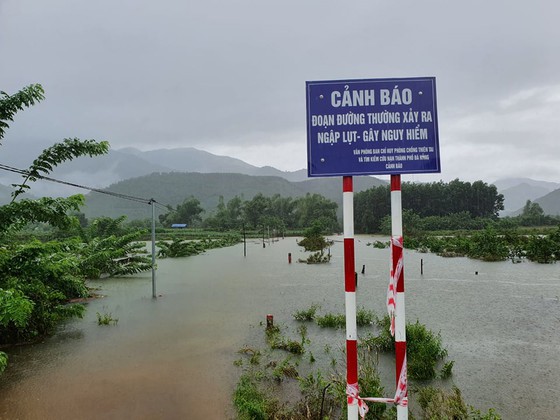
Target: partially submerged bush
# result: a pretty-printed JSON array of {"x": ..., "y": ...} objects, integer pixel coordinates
[{"x": 306, "y": 314}]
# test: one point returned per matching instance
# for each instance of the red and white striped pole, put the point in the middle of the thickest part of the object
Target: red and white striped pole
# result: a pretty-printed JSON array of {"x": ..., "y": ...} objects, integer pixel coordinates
[
  {"x": 350, "y": 294},
  {"x": 397, "y": 270}
]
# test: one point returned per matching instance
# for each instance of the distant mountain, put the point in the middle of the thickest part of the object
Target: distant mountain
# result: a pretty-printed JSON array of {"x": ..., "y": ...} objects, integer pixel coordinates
[
  {"x": 516, "y": 197},
  {"x": 189, "y": 159},
  {"x": 122, "y": 164},
  {"x": 173, "y": 188},
  {"x": 550, "y": 203},
  {"x": 517, "y": 191},
  {"x": 506, "y": 183}
]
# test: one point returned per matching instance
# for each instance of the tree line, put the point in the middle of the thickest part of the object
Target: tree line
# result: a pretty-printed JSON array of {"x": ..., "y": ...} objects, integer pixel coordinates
[
  {"x": 442, "y": 202},
  {"x": 275, "y": 212},
  {"x": 443, "y": 205}
]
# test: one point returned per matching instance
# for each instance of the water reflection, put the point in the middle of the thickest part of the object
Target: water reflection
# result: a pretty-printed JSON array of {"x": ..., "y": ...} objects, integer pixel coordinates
[{"x": 173, "y": 357}]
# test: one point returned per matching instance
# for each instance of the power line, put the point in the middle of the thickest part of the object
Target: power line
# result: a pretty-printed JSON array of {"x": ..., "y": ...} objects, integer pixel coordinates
[{"x": 97, "y": 190}]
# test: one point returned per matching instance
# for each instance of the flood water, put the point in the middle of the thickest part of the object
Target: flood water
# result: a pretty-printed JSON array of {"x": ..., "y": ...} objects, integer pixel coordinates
[{"x": 172, "y": 358}]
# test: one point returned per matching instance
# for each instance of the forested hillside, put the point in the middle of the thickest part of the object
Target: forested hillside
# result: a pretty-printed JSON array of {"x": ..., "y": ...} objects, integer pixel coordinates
[{"x": 173, "y": 188}]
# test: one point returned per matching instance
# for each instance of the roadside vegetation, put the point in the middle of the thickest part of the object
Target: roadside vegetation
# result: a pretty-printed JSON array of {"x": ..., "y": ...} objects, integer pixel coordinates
[
  {"x": 290, "y": 377},
  {"x": 39, "y": 279}
]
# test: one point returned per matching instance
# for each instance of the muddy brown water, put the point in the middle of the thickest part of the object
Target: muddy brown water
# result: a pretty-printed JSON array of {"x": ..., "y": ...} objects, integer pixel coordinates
[{"x": 172, "y": 358}]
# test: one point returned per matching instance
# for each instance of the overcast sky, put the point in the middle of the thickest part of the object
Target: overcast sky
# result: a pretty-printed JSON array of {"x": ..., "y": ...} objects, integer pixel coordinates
[{"x": 229, "y": 76}]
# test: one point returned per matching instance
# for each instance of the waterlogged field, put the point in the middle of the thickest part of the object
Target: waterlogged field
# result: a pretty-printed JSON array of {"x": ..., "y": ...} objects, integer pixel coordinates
[{"x": 174, "y": 357}]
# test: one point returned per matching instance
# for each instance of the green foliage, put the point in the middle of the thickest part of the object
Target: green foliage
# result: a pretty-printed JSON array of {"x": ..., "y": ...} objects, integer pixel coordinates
[
  {"x": 306, "y": 314},
  {"x": 330, "y": 320},
  {"x": 46, "y": 289},
  {"x": 542, "y": 249},
  {"x": 383, "y": 341},
  {"x": 533, "y": 215},
  {"x": 39, "y": 278},
  {"x": 55, "y": 155},
  {"x": 106, "y": 318},
  {"x": 3, "y": 361},
  {"x": 314, "y": 241},
  {"x": 104, "y": 227},
  {"x": 475, "y": 414},
  {"x": 188, "y": 212},
  {"x": 183, "y": 248},
  {"x": 250, "y": 403},
  {"x": 261, "y": 386},
  {"x": 492, "y": 244},
  {"x": 318, "y": 257},
  {"x": 429, "y": 206},
  {"x": 439, "y": 405},
  {"x": 487, "y": 245},
  {"x": 14, "y": 308},
  {"x": 364, "y": 317},
  {"x": 314, "y": 208},
  {"x": 17, "y": 214},
  {"x": 11, "y": 104},
  {"x": 286, "y": 369},
  {"x": 316, "y": 399},
  {"x": 379, "y": 244},
  {"x": 369, "y": 384},
  {"x": 276, "y": 340},
  {"x": 112, "y": 255},
  {"x": 446, "y": 370},
  {"x": 424, "y": 348}
]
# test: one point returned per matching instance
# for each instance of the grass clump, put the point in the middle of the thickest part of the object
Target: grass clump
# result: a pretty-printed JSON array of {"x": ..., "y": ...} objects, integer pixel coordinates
[
  {"x": 251, "y": 404},
  {"x": 276, "y": 340},
  {"x": 106, "y": 318},
  {"x": 364, "y": 317},
  {"x": 285, "y": 369},
  {"x": 266, "y": 390},
  {"x": 424, "y": 349},
  {"x": 306, "y": 314},
  {"x": 331, "y": 321},
  {"x": 439, "y": 404}
]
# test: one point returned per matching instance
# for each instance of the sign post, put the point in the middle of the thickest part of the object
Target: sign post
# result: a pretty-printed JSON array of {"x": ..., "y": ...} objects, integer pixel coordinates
[{"x": 373, "y": 127}]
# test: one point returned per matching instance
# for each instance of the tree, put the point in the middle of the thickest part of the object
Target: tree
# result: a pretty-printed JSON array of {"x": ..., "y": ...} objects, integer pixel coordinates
[
  {"x": 315, "y": 241},
  {"x": 187, "y": 212},
  {"x": 315, "y": 207},
  {"x": 532, "y": 215},
  {"x": 11, "y": 104},
  {"x": 256, "y": 209},
  {"x": 436, "y": 200},
  {"x": 37, "y": 279}
]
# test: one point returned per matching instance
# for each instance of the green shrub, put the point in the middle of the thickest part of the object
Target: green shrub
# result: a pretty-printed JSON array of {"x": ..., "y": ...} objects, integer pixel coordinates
[
  {"x": 331, "y": 321},
  {"x": 250, "y": 403},
  {"x": 424, "y": 349},
  {"x": 364, "y": 317},
  {"x": 106, "y": 319},
  {"x": 306, "y": 314}
]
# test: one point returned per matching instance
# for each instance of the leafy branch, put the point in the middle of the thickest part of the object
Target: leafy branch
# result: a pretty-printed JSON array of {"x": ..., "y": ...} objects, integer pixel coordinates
[
  {"x": 67, "y": 150},
  {"x": 11, "y": 104}
]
